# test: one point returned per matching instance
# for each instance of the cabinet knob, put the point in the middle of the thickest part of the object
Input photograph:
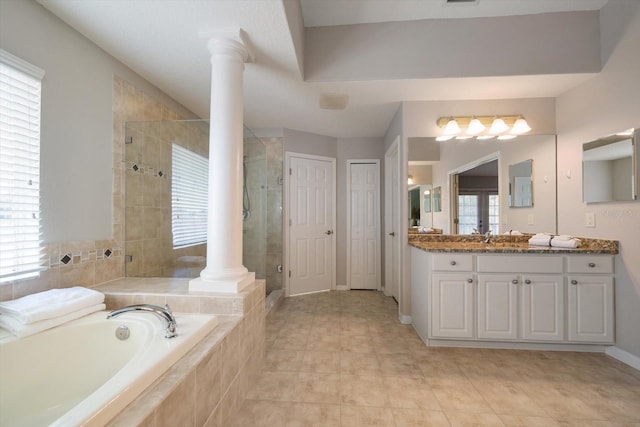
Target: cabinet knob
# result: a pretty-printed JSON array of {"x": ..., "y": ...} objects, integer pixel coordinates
[
  {"x": 469, "y": 280},
  {"x": 514, "y": 281},
  {"x": 528, "y": 282},
  {"x": 574, "y": 282},
  {"x": 592, "y": 264},
  {"x": 453, "y": 263}
]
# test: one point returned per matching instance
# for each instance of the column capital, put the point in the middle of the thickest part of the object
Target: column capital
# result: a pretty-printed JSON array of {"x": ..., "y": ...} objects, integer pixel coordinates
[{"x": 229, "y": 41}]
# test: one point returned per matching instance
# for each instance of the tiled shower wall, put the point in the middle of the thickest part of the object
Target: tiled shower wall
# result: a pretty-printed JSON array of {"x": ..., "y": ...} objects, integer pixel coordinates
[
  {"x": 274, "y": 212},
  {"x": 148, "y": 172}
]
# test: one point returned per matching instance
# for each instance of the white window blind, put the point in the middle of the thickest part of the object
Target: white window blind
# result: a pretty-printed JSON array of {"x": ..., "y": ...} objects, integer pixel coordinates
[
  {"x": 20, "y": 241},
  {"x": 189, "y": 194}
]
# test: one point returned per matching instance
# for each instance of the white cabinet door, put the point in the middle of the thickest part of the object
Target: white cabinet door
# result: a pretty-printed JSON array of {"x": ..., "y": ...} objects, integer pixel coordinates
[
  {"x": 543, "y": 307},
  {"x": 452, "y": 303},
  {"x": 498, "y": 306},
  {"x": 591, "y": 317}
]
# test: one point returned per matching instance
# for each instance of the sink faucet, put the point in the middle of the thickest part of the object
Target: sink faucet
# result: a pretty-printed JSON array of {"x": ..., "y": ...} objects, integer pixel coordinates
[
  {"x": 162, "y": 312},
  {"x": 487, "y": 237}
]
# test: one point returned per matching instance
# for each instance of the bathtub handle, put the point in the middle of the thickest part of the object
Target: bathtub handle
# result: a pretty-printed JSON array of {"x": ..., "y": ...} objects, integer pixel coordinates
[{"x": 162, "y": 312}]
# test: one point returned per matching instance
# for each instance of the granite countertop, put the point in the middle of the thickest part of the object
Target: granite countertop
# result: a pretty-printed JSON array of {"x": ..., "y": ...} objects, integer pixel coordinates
[{"x": 506, "y": 245}]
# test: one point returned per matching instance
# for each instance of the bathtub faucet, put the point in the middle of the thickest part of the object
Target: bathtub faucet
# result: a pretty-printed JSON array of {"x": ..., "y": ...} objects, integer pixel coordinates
[{"x": 162, "y": 312}]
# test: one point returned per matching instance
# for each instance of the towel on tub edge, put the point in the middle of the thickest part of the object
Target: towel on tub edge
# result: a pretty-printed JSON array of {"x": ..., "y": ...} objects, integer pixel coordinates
[
  {"x": 50, "y": 304},
  {"x": 21, "y": 330}
]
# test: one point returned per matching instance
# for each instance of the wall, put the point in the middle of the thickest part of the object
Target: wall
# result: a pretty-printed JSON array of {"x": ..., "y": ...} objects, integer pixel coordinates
[
  {"x": 274, "y": 211},
  {"x": 309, "y": 143},
  {"x": 606, "y": 104}
]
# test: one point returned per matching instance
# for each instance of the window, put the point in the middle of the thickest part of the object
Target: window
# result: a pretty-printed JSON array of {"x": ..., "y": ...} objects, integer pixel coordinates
[
  {"x": 20, "y": 243},
  {"x": 189, "y": 195}
]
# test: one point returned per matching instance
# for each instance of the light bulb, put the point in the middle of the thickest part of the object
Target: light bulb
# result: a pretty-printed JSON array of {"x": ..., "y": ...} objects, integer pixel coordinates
[
  {"x": 452, "y": 127},
  {"x": 498, "y": 126},
  {"x": 475, "y": 127},
  {"x": 520, "y": 126},
  {"x": 410, "y": 180}
]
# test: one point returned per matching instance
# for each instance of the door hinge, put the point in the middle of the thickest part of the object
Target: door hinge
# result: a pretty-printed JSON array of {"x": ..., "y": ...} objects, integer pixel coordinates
[
  {"x": 128, "y": 140},
  {"x": 289, "y": 223},
  {"x": 289, "y": 273},
  {"x": 290, "y": 171}
]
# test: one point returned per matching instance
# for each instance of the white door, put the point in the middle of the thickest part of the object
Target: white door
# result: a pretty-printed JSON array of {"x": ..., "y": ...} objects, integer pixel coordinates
[
  {"x": 311, "y": 216},
  {"x": 452, "y": 305},
  {"x": 591, "y": 309},
  {"x": 392, "y": 222},
  {"x": 498, "y": 306},
  {"x": 543, "y": 308},
  {"x": 363, "y": 250}
]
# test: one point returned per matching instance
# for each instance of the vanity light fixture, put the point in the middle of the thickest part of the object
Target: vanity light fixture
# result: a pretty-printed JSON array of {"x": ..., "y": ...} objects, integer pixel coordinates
[
  {"x": 498, "y": 126},
  {"x": 475, "y": 127},
  {"x": 506, "y": 137},
  {"x": 410, "y": 179},
  {"x": 520, "y": 126},
  {"x": 481, "y": 127},
  {"x": 627, "y": 132}
]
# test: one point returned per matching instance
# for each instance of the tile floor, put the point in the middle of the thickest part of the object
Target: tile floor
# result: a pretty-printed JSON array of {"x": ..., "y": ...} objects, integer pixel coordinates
[{"x": 343, "y": 359}]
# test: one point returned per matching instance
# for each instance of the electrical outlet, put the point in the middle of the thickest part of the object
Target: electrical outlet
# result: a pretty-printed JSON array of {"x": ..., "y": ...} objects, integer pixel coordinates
[
  {"x": 590, "y": 219},
  {"x": 530, "y": 220}
]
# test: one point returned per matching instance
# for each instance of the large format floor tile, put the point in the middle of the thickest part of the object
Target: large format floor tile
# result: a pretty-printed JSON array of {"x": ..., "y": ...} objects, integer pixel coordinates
[{"x": 342, "y": 359}]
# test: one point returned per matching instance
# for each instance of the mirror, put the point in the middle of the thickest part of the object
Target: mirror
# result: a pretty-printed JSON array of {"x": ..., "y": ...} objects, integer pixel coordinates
[
  {"x": 422, "y": 155},
  {"x": 458, "y": 156},
  {"x": 414, "y": 207},
  {"x": 610, "y": 168},
  {"x": 437, "y": 199},
  {"x": 521, "y": 185}
]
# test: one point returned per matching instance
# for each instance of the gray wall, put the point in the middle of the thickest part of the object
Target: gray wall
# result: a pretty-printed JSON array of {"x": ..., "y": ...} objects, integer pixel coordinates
[
  {"x": 77, "y": 121},
  {"x": 606, "y": 104}
]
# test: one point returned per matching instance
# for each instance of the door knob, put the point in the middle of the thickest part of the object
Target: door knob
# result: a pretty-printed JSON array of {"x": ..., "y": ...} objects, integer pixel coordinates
[
  {"x": 392, "y": 234},
  {"x": 328, "y": 232}
]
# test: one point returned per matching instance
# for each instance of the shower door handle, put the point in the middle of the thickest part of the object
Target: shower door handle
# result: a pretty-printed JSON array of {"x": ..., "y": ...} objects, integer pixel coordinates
[{"x": 328, "y": 232}]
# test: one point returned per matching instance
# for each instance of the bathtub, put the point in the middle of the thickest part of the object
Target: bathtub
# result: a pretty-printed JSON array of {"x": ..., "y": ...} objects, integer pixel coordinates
[{"x": 80, "y": 373}]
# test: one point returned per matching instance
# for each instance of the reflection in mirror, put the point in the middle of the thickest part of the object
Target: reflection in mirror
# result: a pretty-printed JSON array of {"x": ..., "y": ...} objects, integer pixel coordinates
[
  {"x": 437, "y": 198},
  {"x": 609, "y": 168},
  {"x": 414, "y": 206},
  {"x": 521, "y": 185}
]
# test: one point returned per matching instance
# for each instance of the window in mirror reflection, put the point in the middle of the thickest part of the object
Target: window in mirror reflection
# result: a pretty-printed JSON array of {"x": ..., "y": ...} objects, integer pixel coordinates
[{"x": 479, "y": 212}]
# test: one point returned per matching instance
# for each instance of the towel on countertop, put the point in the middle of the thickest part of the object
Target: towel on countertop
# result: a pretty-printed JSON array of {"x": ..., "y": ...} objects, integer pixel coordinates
[
  {"x": 425, "y": 230},
  {"x": 540, "y": 240},
  {"x": 50, "y": 304},
  {"x": 571, "y": 243},
  {"x": 21, "y": 330},
  {"x": 563, "y": 237}
]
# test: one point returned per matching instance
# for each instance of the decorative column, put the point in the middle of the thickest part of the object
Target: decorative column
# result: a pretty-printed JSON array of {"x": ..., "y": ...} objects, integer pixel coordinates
[{"x": 224, "y": 271}]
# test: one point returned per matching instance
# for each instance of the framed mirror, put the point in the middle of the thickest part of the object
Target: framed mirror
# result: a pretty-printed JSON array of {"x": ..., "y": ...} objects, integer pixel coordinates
[
  {"x": 610, "y": 168},
  {"x": 521, "y": 184},
  {"x": 414, "y": 206}
]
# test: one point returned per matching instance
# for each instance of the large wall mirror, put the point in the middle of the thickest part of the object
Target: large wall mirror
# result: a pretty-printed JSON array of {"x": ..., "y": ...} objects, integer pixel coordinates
[
  {"x": 422, "y": 156},
  {"x": 610, "y": 168},
  {"x": 484, "y": 178}
]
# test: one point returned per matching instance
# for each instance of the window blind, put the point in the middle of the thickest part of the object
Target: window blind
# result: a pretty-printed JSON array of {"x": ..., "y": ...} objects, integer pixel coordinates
[
  {"x": 189, "y": 196},
  {"x": 20, "y": 234}
]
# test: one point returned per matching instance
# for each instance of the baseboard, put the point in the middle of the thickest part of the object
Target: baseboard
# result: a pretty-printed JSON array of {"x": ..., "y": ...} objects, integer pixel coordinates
[
  {"x": 623, "y": 356},
  {"x": 342, "y": 288},
  {"x": 404, "y": 319}
]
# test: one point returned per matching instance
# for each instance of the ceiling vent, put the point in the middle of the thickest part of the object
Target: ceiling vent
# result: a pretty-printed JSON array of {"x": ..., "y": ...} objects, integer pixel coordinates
[
  {"x": 334, "y": 101},
  {"x": 460, "y": 2}
]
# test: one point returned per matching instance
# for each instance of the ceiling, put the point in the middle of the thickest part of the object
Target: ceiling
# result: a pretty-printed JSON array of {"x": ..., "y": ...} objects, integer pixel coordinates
[{"x": 163, "y": 42}]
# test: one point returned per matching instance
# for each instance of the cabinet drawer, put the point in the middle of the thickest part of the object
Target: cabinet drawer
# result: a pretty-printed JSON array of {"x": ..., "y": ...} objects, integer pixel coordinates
[
  {"x": 452, "y": 262},
  {"x": 590, "y": 264},
  {"x": 519, "y": 263}
]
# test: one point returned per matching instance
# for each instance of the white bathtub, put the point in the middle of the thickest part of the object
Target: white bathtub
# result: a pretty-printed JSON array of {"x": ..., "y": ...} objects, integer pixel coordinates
[{"x": 81, "y": 374}]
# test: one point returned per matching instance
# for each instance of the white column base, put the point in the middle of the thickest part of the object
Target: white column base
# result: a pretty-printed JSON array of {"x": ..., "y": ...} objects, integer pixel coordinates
[{"x": 229, "y": 286}]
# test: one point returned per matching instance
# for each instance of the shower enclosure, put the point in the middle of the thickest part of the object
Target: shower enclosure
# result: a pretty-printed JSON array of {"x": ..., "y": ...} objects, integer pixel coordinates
[{"x": 165, "y": 201}]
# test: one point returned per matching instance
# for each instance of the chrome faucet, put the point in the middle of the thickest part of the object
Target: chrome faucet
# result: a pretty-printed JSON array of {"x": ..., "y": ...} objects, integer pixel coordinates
[
  {"x": 162, "y": 312},
  {"x": 487, "y": 237}
]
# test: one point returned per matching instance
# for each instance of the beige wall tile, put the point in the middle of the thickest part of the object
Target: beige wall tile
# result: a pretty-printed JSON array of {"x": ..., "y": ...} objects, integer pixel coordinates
[
  {"x": 208, "y": 385},
  {"x": 178, "y": 409}
]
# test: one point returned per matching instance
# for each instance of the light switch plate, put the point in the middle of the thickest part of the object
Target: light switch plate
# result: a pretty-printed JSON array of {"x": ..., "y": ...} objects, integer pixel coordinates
[
  {"x": 590, "y": 219},
  {"x": 530, "y": 220}
]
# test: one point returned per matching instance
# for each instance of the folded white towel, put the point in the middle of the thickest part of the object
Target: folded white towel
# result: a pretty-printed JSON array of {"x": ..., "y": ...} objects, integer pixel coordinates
[
  {"x": 570, "y": 244},
  {"x": 49, "y": 304},
  {"x": 563, "y": 237},
  {"x": 19, "y": 329},
  {"x": 540, "y": 241}
]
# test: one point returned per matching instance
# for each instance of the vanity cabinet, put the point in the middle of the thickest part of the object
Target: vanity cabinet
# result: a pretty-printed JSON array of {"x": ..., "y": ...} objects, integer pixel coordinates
[
  {"x": 554, "y": 298},
  {"x": 591, "y": 306}
]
